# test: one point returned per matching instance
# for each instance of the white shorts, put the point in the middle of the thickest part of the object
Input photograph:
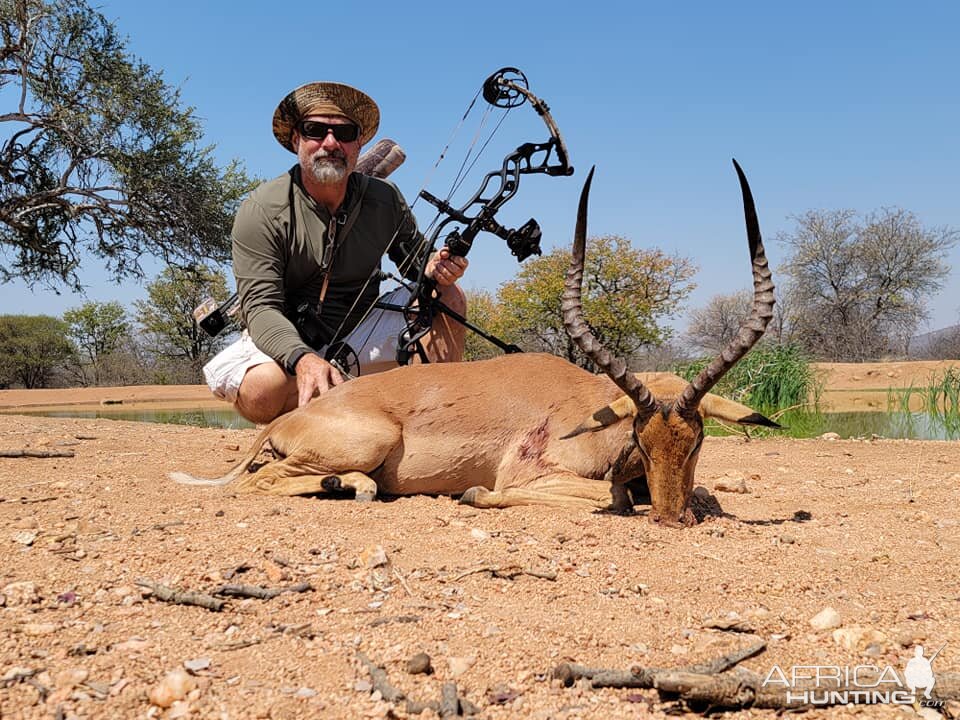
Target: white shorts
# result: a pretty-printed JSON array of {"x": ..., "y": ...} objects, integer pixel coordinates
[{"x": 377, "y": 333}]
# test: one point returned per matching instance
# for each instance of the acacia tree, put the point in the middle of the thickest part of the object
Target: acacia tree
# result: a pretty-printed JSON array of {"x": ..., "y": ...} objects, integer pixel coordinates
[
  {"x": 99, "y": 330},
  {"x": 859, "y": 287},
  {"x": 32, "y": 349},
  {"x": 172, "y": 333},
  {"x": 96, "y": 153},
  {"x": 627, "y": 294}
]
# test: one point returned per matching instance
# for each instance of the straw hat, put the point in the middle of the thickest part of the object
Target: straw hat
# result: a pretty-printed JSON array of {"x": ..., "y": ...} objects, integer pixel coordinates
[{"x": 325, "y": 98}]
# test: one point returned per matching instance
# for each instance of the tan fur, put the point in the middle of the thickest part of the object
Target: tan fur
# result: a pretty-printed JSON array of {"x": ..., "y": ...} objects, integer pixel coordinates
[{"x": 489, "y": 430}]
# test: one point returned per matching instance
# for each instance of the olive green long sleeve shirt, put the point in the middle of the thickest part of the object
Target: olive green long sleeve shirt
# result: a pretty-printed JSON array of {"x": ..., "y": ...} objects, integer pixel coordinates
[{"x": 278, "y": 266}]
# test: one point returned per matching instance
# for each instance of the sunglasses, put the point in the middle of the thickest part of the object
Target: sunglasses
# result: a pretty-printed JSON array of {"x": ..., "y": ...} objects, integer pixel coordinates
[{"x": 316, "y": 130}]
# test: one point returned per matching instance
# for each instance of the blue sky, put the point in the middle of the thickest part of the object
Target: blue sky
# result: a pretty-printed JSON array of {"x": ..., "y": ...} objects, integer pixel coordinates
[{"x": 825, "y": 105}]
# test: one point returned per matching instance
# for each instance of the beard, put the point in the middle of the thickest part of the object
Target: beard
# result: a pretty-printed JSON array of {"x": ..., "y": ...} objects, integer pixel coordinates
[{"x": 329, "y": 168}]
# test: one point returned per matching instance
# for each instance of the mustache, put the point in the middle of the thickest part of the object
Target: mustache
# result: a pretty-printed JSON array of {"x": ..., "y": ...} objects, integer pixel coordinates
[{"x": 332, "y": 155}]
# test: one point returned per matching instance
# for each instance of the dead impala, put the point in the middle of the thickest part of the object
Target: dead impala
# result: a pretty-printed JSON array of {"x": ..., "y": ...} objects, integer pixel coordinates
[{"x": 519, "y": 429}]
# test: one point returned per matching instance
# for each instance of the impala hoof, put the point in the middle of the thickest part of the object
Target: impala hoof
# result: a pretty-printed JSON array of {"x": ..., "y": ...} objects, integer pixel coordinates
[
  {"x": 332, "y": 483},
  {"x": 472, "y": 495}
]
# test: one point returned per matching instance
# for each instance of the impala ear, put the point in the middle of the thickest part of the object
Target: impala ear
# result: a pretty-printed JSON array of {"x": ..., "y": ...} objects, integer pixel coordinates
[
  {"x": 607, "y": 415},
  {"x": 714, "y": 406}
]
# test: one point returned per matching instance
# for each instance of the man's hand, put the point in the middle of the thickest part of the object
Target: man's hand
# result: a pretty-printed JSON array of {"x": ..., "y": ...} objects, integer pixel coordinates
[
  {"x": 445, "y": 268},
  {"x": 314, "y": 377}
]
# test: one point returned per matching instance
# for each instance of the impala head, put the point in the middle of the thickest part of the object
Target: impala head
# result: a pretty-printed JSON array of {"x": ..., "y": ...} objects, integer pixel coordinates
[{"x": 668, "y": 431}]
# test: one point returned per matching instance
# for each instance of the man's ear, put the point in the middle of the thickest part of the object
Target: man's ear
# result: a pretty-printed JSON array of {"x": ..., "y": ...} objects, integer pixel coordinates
[{"x": 295, "y": 141}]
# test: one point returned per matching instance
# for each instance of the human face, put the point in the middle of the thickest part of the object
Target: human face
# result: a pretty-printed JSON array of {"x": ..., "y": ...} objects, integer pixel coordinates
[{"x": 328, "y": 161}]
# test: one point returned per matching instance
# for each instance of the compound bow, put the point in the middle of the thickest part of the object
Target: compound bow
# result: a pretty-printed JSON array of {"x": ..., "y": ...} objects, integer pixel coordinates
[{"x": 506, "y": 88}]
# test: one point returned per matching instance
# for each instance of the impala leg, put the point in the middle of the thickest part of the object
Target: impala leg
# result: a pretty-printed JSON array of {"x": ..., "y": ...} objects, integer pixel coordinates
[
  {"x": 559, "y": 490},
  {"x": 287, "y": 477}
]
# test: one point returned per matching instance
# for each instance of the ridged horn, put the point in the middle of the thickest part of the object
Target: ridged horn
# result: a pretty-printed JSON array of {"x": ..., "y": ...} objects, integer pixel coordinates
[
  {"x": 576, "y": 327},
  {"x": 754, "y": 326}
]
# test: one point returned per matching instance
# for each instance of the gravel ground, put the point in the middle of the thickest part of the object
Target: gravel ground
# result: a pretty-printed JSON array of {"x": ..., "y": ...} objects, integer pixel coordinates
[{"x": 496, "y": 598}]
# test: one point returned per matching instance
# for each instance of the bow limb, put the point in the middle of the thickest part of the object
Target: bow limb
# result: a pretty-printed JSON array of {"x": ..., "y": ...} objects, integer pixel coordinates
[{"x": 543, "y": 110}]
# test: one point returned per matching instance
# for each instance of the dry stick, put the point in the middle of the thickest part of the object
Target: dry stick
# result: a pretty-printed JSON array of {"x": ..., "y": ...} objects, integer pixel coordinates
[
  {"x": 260, "y": 593},
  {"x": 28, "y": 452},
  {"x": 403, "y": 581},
  {"x": 746, "y": 689},
  {"x": 388, "y": 692},
  {"x": 166, "y": 594},
  {"x": 379, "y": 678},
  {"x": 640, "y": 677},
  {"x": 507, "y": 572}
]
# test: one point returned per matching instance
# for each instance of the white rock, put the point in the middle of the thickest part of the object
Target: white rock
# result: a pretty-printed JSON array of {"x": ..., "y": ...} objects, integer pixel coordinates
[
  {"x": 20, "y": 593},
  {"x": 829, "y": 436},
  {"x": 174, "y": 686},
  {"x": 179, "y": 709},
  {"x": 479, "y": 535},
  {"x": 459, "y": 665},
  {"x": 25, "y": 537},
  {"x": 731, "y": 483},
  {"x": 374, "y": 556},
  {"x": 826, "y": 619},
  {"x": 134, "y": 644},
  {"x": 197, "y": 664},
  {"x": 35, "y": 629}
]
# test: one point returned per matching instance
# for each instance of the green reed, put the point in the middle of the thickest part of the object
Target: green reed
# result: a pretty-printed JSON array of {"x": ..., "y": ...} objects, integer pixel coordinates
[
  {"x": 939, "y": 398},
  {"x": 769, "y": 378}
]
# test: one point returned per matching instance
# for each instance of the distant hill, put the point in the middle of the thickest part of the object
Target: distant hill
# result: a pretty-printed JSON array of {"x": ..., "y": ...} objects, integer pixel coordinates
[{"x": 942, "y": 343}]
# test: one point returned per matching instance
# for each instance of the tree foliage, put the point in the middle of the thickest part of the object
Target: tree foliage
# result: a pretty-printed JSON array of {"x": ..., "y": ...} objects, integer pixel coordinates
[
  {"x": 172, "y": 332},
  {"x": 484, "y": 311},
  {"x": 712, "y": 327},
  {"x": 96, "y": 153},
  {"x": 98, "y": 329},
  {"x": 627, "y": 294},
  {"x": 32, "y": 349},
  {"x": 858, "y": 287}
]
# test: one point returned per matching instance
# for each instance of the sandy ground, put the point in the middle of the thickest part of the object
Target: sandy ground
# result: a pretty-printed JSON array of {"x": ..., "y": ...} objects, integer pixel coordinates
[{"x": 869, "y": 529}]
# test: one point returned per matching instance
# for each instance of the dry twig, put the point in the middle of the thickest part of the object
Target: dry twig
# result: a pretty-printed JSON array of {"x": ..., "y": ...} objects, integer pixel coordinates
[
  {"x": 507, "y": 572},
  {"x": 31, "y": 453},
  {"x": 640, "y": 677},
  {"x": 260, "y": 593},
  {"x": 167, "y": 594},
  {"x": 378, "y": 676}
]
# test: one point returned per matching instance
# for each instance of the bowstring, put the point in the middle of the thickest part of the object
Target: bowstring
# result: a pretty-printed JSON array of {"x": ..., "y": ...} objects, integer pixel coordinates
[{"x": 425, "y": 234}]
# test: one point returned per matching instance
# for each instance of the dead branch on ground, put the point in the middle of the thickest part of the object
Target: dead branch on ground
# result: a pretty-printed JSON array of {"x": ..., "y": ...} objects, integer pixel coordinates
[{"x": 177, "y": 597}]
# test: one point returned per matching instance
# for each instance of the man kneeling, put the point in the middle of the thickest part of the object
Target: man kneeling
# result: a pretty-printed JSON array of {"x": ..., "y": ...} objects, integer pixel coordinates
[{"x": 307, "y": 248}]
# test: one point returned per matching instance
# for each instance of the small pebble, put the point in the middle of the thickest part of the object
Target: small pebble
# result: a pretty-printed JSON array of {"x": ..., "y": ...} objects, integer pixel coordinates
[
  {"x": 420, "y": 664},
  {"x": 826, "y": 619}
]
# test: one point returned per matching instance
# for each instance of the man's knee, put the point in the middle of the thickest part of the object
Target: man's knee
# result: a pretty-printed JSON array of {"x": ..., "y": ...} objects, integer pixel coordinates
[{"x": 264, "y": 393}]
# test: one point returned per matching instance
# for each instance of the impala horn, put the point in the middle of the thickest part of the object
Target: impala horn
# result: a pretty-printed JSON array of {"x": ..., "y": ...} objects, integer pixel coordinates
[
  {"x": 576, "y": 327},
  {"x": 754, "y": 326}
]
